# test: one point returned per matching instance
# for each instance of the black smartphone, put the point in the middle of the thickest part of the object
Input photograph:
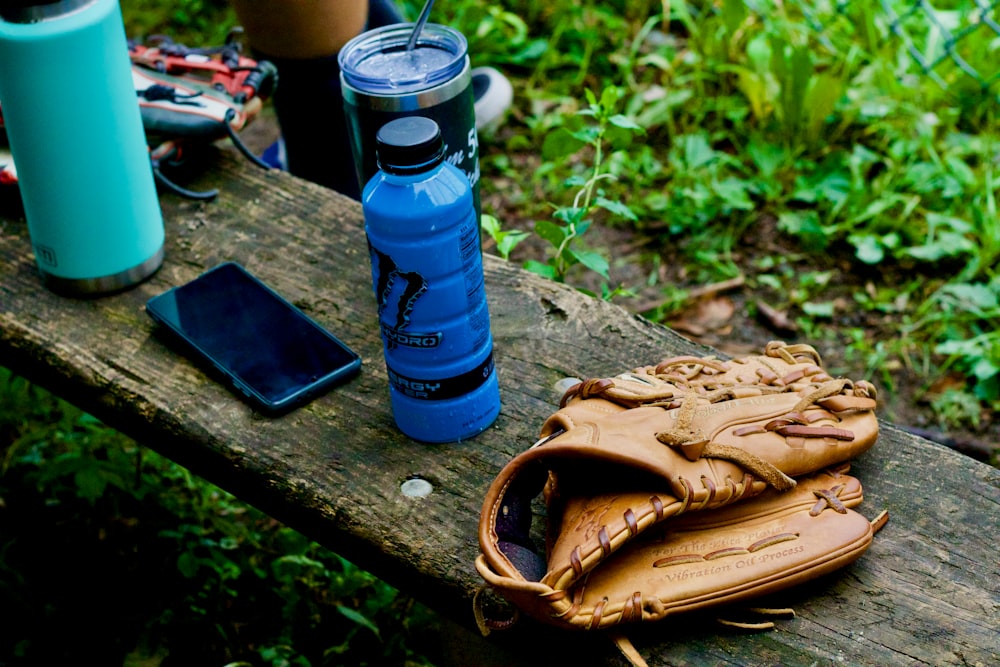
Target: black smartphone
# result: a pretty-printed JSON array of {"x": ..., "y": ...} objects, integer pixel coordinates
[{"x": 270, "y": 352}]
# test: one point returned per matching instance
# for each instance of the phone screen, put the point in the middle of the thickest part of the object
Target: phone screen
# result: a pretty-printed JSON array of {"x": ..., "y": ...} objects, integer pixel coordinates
[{"x": 271, "y": 352}]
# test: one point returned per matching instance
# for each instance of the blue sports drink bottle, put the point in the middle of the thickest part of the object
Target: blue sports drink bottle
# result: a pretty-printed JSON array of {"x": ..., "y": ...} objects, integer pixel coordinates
[
  {"x": 75, "y": 132},
  {"x": 427, "y": 273}
]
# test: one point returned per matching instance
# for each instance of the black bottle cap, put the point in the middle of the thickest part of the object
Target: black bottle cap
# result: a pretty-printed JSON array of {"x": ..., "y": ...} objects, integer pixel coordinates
[{"x": 409, "y": 145}]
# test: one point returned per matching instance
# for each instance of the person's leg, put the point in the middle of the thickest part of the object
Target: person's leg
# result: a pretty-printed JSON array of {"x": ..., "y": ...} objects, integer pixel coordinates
[
  {"x": 302, "y": 38},
  {"x": 301, "y": 29}
]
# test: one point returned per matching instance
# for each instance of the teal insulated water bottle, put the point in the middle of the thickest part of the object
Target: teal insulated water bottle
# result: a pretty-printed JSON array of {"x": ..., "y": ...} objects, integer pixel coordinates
[
  {"x": 427, "y": 273},
  {"x": 75, "y": 132}
]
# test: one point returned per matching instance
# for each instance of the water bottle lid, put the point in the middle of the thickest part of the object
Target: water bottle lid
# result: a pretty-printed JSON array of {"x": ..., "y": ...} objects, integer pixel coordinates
[
  {"x": 35, "y": 11},
  {"x": 409, "y": 145}
]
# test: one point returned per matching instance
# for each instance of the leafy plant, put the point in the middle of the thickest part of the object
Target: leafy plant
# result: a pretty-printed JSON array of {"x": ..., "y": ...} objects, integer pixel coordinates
[
  {"x": 606, "y": 130},
  {"x": 505, "y": 241},
  {"x": 974, "y": 343}
]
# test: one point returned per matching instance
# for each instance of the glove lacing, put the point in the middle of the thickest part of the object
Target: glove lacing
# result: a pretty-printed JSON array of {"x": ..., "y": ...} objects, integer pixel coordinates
[{"x": 694, "y": 445}]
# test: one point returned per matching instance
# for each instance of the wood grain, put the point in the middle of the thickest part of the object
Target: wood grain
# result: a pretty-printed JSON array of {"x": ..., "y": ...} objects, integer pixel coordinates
[{"x": 926, "y": 593}]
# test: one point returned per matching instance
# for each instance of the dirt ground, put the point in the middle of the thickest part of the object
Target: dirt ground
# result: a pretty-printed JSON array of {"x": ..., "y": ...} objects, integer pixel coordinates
[{"x": 733, "y": 316}]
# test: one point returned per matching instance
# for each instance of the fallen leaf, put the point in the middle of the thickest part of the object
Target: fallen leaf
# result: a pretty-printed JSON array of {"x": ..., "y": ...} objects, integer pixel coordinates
[
  {"x": 775, "y": 319},
  {"x": 706, "y": 315}
]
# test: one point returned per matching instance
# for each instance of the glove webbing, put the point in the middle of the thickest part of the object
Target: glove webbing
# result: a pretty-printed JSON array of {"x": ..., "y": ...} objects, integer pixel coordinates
[{"x": 694, "y": 444}]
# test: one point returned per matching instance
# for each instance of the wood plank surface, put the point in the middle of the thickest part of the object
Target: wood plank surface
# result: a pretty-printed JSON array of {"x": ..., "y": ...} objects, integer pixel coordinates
[{"x": 926, "y": 593}]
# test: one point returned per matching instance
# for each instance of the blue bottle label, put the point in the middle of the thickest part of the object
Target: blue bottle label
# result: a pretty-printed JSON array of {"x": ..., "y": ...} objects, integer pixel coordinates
[
  {"x": 398, "y": 291},
  {"x": 439, "y": 390},
  {"x": 404, "y": 293},
  {"x": 394, "y": 338}
]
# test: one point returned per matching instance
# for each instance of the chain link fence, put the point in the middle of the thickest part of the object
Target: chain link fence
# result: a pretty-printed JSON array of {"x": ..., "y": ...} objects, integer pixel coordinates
[
  {"x": 953, "y": 42},
  {"x": 960, "y": 36}
]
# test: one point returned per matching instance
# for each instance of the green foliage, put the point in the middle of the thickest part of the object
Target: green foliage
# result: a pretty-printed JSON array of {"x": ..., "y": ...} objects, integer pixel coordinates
[
  {"x": 969, "y": 312},
  {"x": 189, "y": 22},
  {"x": 505, "y": 241},
  {"x": 598, "y": 128},
  {"x": 180, "y": 567},
  {"x": 860, "y": 127}
]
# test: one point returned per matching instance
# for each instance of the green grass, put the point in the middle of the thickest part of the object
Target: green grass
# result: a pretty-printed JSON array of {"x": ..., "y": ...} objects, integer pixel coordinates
[{"x": 691, "y": 129}]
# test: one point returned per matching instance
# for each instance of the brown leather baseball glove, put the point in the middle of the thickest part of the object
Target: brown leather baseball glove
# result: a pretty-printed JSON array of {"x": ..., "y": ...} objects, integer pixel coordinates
[{"x": 675, "y": 487}]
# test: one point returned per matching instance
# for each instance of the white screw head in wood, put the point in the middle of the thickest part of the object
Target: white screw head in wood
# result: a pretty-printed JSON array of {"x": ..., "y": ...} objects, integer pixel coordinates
[{"x": 416, "y": 488}]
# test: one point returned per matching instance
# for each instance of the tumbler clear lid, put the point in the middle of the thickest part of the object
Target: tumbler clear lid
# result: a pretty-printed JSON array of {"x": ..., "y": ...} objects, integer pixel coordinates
[{"x": 378, "y": 62}]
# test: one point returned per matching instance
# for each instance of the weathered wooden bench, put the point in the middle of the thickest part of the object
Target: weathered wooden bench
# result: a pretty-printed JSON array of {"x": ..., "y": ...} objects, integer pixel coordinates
[{"x": 926, "y": 593}]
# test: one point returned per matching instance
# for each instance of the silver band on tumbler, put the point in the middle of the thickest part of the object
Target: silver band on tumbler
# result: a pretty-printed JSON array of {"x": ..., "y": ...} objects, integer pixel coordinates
[
  {"x": 104, "y": 284},
  {"x": 409, "y": 101}
]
